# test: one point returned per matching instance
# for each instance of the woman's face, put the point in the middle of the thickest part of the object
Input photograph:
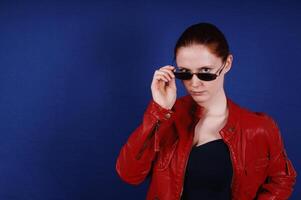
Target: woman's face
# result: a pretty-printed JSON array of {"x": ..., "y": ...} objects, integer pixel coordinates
[{"x": 198, "y": 58}]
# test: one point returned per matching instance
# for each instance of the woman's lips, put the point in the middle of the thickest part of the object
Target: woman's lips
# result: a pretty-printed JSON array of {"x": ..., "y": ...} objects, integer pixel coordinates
[{"x": 197, "y": 93}]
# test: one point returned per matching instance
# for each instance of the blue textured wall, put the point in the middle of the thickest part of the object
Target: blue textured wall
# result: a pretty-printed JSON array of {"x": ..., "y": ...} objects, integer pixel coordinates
[{"x": 75, "y": 80}]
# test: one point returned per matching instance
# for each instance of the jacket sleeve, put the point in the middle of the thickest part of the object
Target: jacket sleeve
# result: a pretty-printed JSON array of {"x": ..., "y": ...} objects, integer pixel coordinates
[
  {"x": 135, "y": 158},
  {"x": 281, "y": 173}
]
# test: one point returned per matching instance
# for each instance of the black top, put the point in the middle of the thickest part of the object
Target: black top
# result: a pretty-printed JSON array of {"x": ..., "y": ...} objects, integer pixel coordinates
[{"x": 208, "y": 172}]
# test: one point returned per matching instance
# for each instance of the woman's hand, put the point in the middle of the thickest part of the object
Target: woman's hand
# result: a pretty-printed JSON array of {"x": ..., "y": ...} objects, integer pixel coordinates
[{"x": 163, "y": 87}]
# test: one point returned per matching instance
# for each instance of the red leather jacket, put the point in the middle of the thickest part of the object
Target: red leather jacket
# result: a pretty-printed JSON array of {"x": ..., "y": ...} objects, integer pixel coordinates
[{"x": 160, "y": 148}]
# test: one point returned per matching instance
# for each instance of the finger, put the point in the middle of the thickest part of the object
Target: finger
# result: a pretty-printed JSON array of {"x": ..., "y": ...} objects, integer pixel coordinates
[
  {"x": 163, "y": 73},
  {"x": 170, "y": 73},
  {"x": 168, "y": 67},
  {"x": 172, "y": 83},
  {"x": 166, "y": 74},
  {"x": 159, "y": 77}
]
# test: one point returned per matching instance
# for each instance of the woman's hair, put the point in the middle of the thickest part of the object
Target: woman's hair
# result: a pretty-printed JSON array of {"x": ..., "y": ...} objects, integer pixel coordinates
[{"x": 204, "y": 34}]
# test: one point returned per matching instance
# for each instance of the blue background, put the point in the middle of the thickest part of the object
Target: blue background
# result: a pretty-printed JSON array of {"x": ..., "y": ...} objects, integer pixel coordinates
[{"x": 75, "y": 81}]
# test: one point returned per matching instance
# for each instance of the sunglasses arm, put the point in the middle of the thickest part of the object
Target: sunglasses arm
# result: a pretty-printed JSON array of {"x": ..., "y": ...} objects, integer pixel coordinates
[{"x": 221, "y": 69}]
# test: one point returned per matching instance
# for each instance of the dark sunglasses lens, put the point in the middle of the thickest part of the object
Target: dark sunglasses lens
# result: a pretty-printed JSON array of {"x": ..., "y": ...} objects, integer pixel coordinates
[
  {"x": 206, "y": 76},
  {"x": 183, "y": 75}
]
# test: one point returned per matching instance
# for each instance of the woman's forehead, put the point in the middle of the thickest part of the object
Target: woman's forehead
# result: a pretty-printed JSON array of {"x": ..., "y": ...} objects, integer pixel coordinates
[{"x": 196, "y": 57}]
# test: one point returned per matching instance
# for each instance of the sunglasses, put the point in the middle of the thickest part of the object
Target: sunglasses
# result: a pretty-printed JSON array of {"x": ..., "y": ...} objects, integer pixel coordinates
[{"x": 187, "y": 75}]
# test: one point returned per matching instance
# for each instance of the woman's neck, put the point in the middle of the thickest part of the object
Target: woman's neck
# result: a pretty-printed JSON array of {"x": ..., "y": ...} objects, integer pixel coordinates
[{"x": 216, "y": 106}]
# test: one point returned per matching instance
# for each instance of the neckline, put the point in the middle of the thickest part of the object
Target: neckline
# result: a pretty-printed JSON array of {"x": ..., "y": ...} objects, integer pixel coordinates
[
  {"x": 212, "y": 141},
  {"x": 233, "y": 116}
]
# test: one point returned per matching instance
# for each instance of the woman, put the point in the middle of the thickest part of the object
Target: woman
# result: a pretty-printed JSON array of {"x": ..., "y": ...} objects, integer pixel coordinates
[{"x": 203, "y": 145}]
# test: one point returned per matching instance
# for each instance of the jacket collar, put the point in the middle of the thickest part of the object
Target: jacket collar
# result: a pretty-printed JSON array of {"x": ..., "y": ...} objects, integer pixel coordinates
[{"x": 231, "y": 125}]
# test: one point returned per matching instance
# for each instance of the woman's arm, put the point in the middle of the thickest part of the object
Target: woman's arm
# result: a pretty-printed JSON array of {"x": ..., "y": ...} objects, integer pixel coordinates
[
  {"x": 135, "y": 158},
  {"x": 281, "y": 173}
]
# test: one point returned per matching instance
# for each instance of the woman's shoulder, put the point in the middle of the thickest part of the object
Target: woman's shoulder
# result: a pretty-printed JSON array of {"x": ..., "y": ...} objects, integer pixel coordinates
[
  {"x": 257, "y": 119},
  {"x": 259, "y": 126}
]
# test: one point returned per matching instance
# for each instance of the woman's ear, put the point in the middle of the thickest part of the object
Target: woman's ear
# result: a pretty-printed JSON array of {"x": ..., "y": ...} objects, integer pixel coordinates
[{"x": 228, "y": 63}]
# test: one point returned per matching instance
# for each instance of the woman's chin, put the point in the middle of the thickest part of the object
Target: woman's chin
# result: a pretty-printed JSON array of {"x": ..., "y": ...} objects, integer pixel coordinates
[{"x": 200, "y": 98}]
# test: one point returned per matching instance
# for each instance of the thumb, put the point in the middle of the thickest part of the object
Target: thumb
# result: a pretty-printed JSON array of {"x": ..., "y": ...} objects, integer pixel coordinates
[{"x": 172, "y": 83}]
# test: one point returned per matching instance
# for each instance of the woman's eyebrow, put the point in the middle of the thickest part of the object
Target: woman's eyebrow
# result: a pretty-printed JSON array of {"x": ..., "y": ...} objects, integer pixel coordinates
[{"x": 208, "y": 66}]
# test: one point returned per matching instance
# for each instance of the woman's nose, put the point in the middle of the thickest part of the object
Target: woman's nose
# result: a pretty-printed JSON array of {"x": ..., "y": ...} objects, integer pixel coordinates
[{"x": 195, "y": 81}]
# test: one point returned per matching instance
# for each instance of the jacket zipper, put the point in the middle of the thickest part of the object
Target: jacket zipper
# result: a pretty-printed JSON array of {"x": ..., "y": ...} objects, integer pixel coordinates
[
  {"x": 187, "y": 158},
  {"x": 231, "y": 156},
  {"x": 184, "y": 173},
  {"x": 147, "y": 140}
]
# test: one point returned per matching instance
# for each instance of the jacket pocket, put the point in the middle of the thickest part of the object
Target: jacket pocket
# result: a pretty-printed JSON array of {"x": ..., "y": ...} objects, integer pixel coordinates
[
  {"x": 164, "y": 157},
  {"x": 255, "y": 176},
  {"x": 260, "y": 170},
  {"x": 261, "y": 164}
]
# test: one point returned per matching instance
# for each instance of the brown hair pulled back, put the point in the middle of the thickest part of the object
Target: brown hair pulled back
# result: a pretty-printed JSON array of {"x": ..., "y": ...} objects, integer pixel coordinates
[{"x": 204, "y": 34}]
